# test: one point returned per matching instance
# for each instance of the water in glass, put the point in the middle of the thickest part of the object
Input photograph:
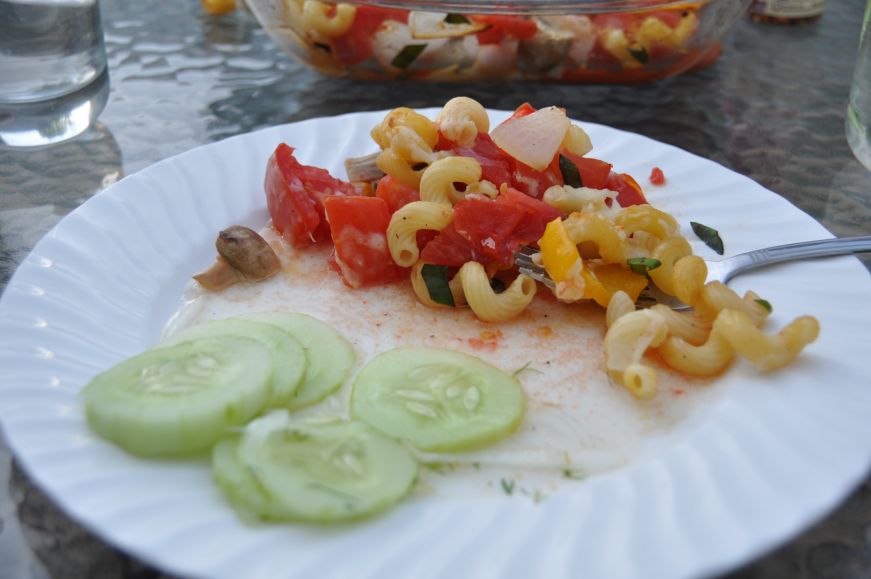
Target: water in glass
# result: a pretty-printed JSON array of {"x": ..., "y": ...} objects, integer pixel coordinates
[{"x": 48, "y": 48}]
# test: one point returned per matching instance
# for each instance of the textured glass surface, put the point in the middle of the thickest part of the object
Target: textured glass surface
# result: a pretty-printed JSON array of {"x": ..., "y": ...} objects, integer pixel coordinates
[{"x": 772, "y": 108}]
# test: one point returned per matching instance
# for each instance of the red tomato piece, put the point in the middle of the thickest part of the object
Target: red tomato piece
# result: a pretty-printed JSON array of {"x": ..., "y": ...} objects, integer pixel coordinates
[
  {"x": 295, "y": 194},
  {"x": 495, "y": 163},
  {"x": 657, "y": 177},
  {"x": 537, "y": 215},
  {"x": 448, "y": 248},
  {"x": 358, "y": 226},
  {"x": 534, "y": 183},
  {"x": 629, "y": 191},
  {"x": 519, "y": 27},
  {"x": 355, "y": 46},
  {"x": 522, "y": 111},
  {"x": 482, "y": 231},
  {"x": 594, "y": 173},
  {"x": 395, "y": 193}
]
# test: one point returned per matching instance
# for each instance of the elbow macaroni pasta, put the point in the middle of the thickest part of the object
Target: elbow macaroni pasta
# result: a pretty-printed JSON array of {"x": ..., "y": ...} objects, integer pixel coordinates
[
  {"x": 486, "y": 303},
  {"x": 327, "y": 20},
  {"x": 462, "y": 119},
  {"x": 407, "y": 221},
  {"x": 437, "y": 184},
  {"x": 703, "y": 341}
]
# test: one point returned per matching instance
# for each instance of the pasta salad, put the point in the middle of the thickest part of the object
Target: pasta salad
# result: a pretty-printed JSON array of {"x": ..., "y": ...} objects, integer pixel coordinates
[{"x": 446, "y": 204}]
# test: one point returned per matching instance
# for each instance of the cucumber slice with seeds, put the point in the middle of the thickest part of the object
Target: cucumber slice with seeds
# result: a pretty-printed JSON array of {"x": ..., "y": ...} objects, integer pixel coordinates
[
  {"x": 180, "y": 400},
  {"x": 288, "y": 357},
  {"x": 437, "y": 399},
  {"x": 328, "y": 355},
  {"x": 286, "y": 470}
]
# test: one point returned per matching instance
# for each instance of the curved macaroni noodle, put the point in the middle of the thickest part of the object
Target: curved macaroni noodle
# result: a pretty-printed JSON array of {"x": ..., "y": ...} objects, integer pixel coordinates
[
  {"x": 462, "y": 119},
  {"x": 328, "y": 20},
  {"x": 486, "y": 303},
  {"x": 437, "y": 183},
  {"x": 625, "y": 343},
  {"x": 407, "y": 221}
]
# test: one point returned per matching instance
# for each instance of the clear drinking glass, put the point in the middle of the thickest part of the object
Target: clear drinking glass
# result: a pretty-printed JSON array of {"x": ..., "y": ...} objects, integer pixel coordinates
[
  {"x": 859, "y": 110},
  {"x": 53, "y": 79}
]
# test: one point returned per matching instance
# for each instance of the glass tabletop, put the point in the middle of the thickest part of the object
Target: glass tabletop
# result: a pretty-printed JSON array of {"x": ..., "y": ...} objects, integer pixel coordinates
[{"x": 772, "y": 108}]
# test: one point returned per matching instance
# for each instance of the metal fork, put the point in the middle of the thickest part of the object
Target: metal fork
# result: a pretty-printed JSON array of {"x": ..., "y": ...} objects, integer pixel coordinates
[{"x": 723, "y": 269}]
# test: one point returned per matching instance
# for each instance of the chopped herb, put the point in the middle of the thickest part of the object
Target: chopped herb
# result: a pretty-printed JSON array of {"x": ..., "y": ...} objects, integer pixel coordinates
[
  {"x": 573, "y": 474},
  {"x": 571, "y": 175},
  {"x": 441, "y": 467},
  {"x": 525, "y": 368},
  {"x": 709, "y": 235},
  {"x": 436, "y": 279},
  {"x": 765, "y": 304},
  {"x": 507, "y": 486},
  {"x": 641, "y": 265},
  {"x": 477, "y": 465},
  {"x": 457, "y": 19},
  {"x": 640, "y": 54},
  {"x": 407, "y": 55}
]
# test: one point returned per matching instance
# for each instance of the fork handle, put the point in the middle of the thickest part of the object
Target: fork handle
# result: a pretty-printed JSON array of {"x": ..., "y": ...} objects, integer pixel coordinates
[{"x": 821, "y": 248}]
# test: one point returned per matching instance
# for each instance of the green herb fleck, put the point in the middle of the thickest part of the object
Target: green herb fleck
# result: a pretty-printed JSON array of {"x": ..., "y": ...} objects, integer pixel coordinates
[
  {"x": 640, "y": 54},
  {"x": 641, "y": 265},
  {"x": 573, "y": 474},
  {"x": 709, "y": 235},
  {"x": 457, "y": 19},
  {"x": 441, "y": 467},
  {"x": 407, "y": 55},
  {"x": 571, "y": 175},
  {"x": 525, "y": 368},
  {"x": 765, "y": 304},
  {"x": 476, "y": 465},
  {"x": 436, "y": 279},
  {"x": 507, "y": 486}
]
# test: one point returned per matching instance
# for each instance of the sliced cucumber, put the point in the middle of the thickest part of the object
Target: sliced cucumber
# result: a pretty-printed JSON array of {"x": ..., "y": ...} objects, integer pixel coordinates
[
  {"x": 437, "y": 399},
  {"x": 328, "y": 355},
  {"x": 180, "y": 400},
  {"x": 287, "y": 470},
  {"x": 288, "y": 357}
]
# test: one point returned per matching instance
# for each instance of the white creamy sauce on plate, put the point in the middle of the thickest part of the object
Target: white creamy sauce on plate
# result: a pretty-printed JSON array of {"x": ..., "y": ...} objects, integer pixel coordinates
[{"x": 577, "y": 422}]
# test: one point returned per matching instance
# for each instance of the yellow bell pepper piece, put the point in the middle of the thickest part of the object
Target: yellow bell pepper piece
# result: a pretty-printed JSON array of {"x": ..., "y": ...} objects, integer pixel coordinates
[
  {"x": 602, "y": 281},
  {"x": 558, "y": 253},
  {"x": 218, "y": 6}
]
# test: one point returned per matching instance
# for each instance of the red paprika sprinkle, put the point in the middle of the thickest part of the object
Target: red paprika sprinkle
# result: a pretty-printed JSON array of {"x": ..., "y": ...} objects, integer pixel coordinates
[{"x": 657, "y": 177}]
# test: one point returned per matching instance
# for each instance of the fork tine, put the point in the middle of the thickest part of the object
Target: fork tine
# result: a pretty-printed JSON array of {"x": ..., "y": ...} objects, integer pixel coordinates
[{"x": 649, "y": 297}]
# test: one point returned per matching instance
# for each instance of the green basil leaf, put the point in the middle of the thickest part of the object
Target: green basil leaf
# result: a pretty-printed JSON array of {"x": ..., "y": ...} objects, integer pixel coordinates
[
  {"x": 639, "y": 54},
  {"x": 709, "y": 235},
  {"x": 457, "y": 19},
  {"x": 436, "y": 279},
  {"x": 641, "y": 265},
  {"x": 765, "y": 304},
  {"x": 571, "y": 175},
  {"x": 407, "y": 55}
]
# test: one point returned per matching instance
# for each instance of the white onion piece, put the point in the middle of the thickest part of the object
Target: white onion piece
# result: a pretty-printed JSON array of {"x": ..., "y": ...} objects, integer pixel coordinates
[
  {"x": 429, "y": 25},
  {"x": 533, "y": 139}
]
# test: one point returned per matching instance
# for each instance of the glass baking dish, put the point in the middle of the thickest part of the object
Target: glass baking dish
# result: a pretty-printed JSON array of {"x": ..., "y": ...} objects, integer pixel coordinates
[{"x": 593, "y": 41}]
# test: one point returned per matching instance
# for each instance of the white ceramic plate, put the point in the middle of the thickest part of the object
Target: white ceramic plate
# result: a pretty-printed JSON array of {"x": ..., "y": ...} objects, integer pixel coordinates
[{"x": 775, "y": 453}]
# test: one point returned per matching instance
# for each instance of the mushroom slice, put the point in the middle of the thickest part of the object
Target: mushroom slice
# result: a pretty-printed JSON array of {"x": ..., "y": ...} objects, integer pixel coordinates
[{"x": 242, "y": 255}]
